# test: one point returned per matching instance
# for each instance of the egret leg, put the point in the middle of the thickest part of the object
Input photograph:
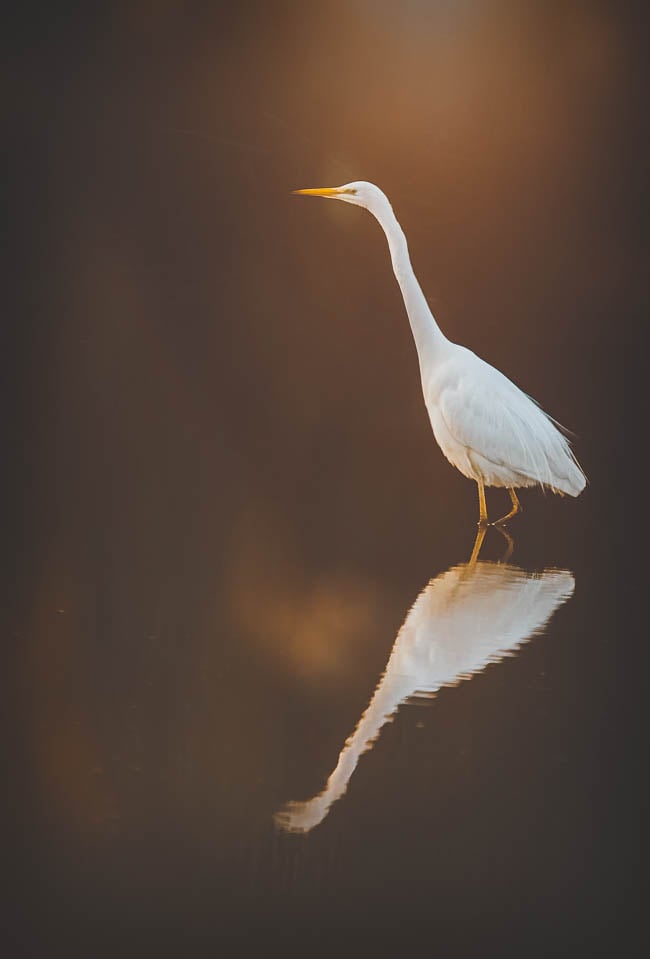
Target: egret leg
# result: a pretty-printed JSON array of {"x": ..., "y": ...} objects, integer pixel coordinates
[
  {"x": 478, "y": 542},
  {"x": 510, "y": 544},
  {"x": 516, "y": 508},
  {"x": 482, "y": 508}
]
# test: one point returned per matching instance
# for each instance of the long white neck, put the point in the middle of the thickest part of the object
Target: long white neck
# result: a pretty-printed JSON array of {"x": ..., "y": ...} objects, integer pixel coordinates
[{"x": 429, "y": 338}]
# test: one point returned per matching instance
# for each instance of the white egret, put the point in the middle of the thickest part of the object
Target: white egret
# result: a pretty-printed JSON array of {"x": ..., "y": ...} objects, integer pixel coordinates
[
  {"x": 472, "y": 615},
  {"x": 485, "y": 425}
]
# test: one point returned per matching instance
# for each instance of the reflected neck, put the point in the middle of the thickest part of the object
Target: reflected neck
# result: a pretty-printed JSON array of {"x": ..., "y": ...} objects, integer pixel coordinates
[{"x": 390, "y": 693}]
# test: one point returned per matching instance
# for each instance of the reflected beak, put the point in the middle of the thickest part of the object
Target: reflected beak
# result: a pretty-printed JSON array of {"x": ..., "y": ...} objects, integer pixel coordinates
[{"x": 321, "y": 191}]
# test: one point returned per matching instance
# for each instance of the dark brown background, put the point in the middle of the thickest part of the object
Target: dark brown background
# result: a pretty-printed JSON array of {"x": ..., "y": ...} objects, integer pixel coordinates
[{"x": 223, "y": 494}]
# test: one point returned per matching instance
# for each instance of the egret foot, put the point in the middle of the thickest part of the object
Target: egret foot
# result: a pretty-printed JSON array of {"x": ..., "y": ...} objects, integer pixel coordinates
[{"x": 516, "y": 508}]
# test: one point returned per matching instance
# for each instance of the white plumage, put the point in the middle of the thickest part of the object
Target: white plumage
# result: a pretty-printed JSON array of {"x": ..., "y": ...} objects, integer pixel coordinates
[
  {"x": 491, "y": 431},
  {"x": 486, "y": 426}
]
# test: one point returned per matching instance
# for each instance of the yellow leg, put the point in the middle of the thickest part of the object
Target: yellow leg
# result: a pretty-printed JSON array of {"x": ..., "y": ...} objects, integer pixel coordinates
[
  {"x": 482, "y": 508},
  {"x": 478, "y": 542},
  {"x": 510, "y": 544},
  {"x": 516, "y": 508}
]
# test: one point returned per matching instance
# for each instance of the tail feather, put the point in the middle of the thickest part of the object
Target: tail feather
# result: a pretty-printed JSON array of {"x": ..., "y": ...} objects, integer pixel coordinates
[{"x": 547, "y": 457}]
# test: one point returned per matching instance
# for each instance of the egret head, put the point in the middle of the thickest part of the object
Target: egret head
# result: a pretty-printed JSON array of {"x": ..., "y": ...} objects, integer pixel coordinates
[{"x": 359, "y": 193}]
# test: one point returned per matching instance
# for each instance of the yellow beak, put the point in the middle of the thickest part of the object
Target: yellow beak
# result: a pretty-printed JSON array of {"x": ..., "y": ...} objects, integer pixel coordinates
[{"x": 321, "y": 191}]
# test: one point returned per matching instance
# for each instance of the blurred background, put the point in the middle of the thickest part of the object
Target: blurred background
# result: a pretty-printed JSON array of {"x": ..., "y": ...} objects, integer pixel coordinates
[{"x": 223, "y": 494}]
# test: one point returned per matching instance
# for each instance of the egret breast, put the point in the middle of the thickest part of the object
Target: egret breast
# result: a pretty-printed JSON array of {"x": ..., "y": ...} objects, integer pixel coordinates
[{"x": 457, "y": 454}]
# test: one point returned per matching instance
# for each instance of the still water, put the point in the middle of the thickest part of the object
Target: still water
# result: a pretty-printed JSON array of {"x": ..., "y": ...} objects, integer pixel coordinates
[
  {"x": 309, "y": 755},
  {"x": 466, "y": 618}
]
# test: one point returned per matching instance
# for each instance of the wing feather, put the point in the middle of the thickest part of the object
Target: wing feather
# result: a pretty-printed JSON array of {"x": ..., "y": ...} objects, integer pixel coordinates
[{"x": 498, "y": 423}]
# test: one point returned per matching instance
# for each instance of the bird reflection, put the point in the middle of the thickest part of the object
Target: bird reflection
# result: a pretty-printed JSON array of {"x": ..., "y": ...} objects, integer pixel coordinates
[{"x": 472, "y": 615}]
